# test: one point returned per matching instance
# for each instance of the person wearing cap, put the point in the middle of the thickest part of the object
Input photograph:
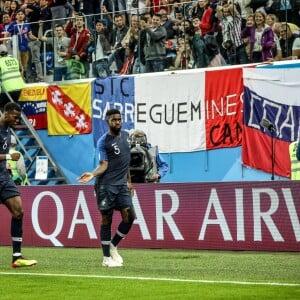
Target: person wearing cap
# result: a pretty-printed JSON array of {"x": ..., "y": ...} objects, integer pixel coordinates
[
  {"x": 159, "y": 167},
  {"x": 17, "y": 168},
  {"x": 10, "y": 76}
]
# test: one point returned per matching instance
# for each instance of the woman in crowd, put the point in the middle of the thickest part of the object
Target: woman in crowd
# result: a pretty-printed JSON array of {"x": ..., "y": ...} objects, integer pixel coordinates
[{"x": 261, "y": 39}]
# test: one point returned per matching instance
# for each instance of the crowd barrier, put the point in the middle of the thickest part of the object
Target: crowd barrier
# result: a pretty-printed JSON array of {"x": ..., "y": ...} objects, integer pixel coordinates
[{"x": 220, "y": 216}]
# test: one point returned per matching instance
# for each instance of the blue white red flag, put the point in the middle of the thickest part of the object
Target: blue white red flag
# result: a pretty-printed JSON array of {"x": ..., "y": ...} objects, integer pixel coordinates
[{"x": 273, "y": 96}]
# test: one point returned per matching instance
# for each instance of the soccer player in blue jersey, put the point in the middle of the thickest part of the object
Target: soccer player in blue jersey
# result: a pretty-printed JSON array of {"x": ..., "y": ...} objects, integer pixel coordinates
[
  {"x": 113, "y": 187},
  {"x": 9, "y": 194}
]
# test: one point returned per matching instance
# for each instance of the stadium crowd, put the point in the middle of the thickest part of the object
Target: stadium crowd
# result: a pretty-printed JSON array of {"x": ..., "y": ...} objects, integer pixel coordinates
[{"x": 63, "y": 40}]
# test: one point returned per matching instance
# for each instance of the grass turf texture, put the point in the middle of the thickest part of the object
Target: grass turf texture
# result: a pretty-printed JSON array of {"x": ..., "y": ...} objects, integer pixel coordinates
[{"x": 76, "y": 273}]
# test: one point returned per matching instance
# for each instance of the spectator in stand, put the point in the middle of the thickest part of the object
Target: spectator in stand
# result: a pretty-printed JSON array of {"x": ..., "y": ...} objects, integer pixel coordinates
[
  {"x": 80, "y": 39},
  {"x": 206, "y": 24},
  {"x": 76, "y": 5},
  {"x": 14, "y": 7},
  {"x": 132, "y": 31},
  {"x": 177, "y": 22},
  {"x": 287, "y": 11},
  {"x": 33, "y": 12},
  {"x": 90, "y": 8},
  {"x": 261, "y": 39},
  {"x": 3, "y": 31},
  {"x": 196, "y": 24},
  {"x": 58, "y": 10},
  {"x": 138, "y": 7},
  {"x": 271, "y": 19},
  {"x": 184, "y": 57},
  {"x": 45, "y": 16},
  {"x": 186, "y": 30},
  {"x": 106, "y": 15},
  {"x": 60, "y": 47},
  {"x": 244, "y": 8},
  {"x": 249, "y": 23},
  {"x": 231, "y": 24},
  {"x": 6, "y": 6},
  {"x": 139, "y": 63},
  {"x": 167, "y": 23},
  {"x": 118, "y": 34},
  {"x": 198, "y": 46},
  {"x": 100, "y": 48},
  {"x": 289, "y": 43},
  {"x": 155, "y": 51},
  {"x": 24, "y": 33},
  {"x": 197, "y": 9},
  {"x": 157, "y": 5},
  {"x": 172, "y": 9},
  {"x": 215, "y": 57}
]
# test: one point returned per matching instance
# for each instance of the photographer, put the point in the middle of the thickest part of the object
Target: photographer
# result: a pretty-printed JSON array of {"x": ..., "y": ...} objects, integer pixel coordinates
[
  {"x": 231, "y": 23},
  {"x": 147, "y": 165}
]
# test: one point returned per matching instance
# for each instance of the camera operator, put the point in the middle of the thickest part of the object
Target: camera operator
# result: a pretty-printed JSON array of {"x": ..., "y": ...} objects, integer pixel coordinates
[
  {"x": 231, "y": 23},
  {"x": 147, "y": 165}
]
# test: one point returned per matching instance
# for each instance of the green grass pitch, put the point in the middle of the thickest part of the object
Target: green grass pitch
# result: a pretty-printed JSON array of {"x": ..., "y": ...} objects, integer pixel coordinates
[{"x": 76, "y": 273}]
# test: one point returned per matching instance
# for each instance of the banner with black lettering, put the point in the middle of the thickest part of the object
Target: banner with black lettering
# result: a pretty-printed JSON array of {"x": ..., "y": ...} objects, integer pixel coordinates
[
  {"x": 224, "y": 106},
  {"x": 170, "y": 108},
  {"x": 112, "y": 92}
]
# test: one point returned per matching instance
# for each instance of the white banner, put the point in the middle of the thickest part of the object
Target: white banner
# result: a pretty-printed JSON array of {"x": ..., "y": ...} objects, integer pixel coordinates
[
  {"x": 280, "y": 85},
  {"x": 169, "y": 107}
]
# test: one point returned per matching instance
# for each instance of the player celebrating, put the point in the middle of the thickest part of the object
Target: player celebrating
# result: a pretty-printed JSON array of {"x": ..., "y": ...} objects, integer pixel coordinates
[{"x": 112, "y": 190}]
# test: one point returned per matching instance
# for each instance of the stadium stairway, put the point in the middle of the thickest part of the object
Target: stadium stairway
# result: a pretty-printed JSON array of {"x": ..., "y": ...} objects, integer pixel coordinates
[{"x": 31, "y": 146}]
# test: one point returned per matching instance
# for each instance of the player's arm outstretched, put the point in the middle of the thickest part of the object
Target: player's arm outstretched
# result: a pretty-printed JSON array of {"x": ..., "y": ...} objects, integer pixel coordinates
[{"x": 87, "y": 176}]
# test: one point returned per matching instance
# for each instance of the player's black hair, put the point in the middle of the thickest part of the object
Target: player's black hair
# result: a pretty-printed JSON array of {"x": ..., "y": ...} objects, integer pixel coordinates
[
  {"x": 110, "y": 112},
  {"x": 11, "y": 106}
]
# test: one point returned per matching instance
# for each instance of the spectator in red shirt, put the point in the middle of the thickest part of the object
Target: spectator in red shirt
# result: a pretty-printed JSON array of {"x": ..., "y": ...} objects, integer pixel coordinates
[{"x": 80, "y": 38}]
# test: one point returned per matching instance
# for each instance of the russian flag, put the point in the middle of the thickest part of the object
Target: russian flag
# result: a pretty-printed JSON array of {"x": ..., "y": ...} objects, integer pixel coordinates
[{"x": 272, "y": 95}]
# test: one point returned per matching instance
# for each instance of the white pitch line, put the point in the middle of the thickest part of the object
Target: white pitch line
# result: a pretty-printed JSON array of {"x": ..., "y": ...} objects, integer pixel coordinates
[{"x": 157, "y": 279}]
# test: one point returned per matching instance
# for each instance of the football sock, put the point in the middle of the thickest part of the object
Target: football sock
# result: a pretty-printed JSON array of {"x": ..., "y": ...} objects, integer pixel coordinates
[
  {"x": 121, "y": 233},
  {"x": 105, "y": 234},
  {"x": 16, "y": 234}
]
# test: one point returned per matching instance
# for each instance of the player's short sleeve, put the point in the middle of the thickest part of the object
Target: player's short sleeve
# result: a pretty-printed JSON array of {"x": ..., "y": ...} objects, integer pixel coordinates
[{"x": 102, "y": 153}]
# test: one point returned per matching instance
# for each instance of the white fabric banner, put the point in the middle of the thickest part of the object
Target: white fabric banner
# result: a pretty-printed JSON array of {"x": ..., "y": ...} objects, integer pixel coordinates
[
  {"x": 280, "y": 85},
  {"x": 170, "y": 108}
]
